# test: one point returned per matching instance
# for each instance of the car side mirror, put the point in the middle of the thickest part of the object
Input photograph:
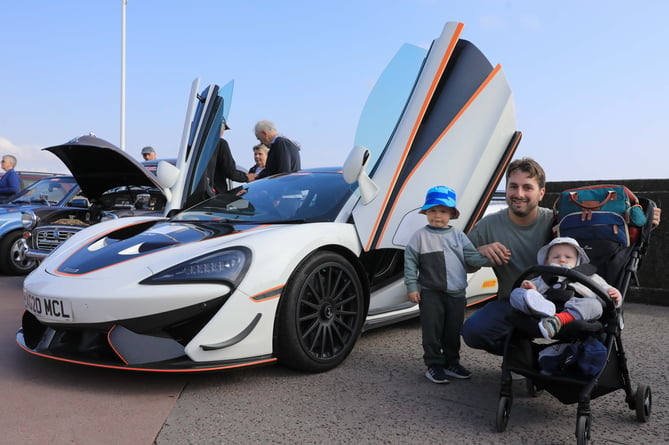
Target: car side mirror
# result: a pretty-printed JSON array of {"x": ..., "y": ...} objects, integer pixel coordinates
[
  {"x": 354, "y": 171},
  {"x": 167, "y": 174},
  {"x": 80, "y": 203}
]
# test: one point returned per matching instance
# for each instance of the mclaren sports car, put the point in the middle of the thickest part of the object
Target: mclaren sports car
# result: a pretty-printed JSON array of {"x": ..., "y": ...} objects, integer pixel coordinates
[{"x": 291, "y": 268}]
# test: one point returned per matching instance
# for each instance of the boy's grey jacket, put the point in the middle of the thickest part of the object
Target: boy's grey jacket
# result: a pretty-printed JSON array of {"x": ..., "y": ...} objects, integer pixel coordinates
[{"x": 437, "y": 259}]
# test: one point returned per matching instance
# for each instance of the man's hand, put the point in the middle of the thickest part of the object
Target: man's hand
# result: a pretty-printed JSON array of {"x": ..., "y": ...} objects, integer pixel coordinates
[
  {"x": 615, "y": 296},
  {"x": 414, "y": 297},
  {"x": 496, "y": 252},
  {"x": 657, "y": 212},
  {"x": 250, "y": 177}
]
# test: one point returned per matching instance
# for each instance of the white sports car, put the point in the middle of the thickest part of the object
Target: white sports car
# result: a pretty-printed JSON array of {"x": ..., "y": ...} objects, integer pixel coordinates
[{"x": 289, "y": 268}]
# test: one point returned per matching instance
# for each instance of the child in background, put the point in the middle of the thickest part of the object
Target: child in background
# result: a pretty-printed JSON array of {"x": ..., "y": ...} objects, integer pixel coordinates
[
  {"x": 435, "y": 276},
  {"x": 531, "y": 299}
]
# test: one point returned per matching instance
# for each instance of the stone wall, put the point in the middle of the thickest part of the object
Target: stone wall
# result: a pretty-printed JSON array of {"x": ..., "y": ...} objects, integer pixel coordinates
[{"x": 653, "y": 287}]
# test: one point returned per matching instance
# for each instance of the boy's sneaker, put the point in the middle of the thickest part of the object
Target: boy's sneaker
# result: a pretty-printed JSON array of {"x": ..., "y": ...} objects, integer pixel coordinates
[
  {"x": 436, "y": 374},
  {"x": 458, "y": 371},
  {"x": 550, "y": 326}
]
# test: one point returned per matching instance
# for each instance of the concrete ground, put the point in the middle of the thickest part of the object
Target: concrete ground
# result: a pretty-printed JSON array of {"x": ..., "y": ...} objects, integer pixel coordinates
[{"x": 377, "y": 396}]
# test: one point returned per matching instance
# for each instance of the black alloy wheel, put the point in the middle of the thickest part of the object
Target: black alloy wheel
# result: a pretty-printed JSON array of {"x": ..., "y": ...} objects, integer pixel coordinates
[{"x": 321, "y": 313}]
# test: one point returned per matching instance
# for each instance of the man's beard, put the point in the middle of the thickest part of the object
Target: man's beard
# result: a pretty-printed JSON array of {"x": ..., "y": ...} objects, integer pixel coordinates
[{"x": 527, "y": 207}]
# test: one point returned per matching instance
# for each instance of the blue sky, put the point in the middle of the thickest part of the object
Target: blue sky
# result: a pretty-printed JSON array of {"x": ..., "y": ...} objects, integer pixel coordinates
[{"x": 588, "y": 77}]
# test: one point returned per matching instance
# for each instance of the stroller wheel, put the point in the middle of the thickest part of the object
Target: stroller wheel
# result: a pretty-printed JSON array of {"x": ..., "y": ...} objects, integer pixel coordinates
[
  {"x": 503, "y": 412},
  {"x": 643, "y": 402},
  {"x": 582, "y": 430},
  {"x": 532, "y": 389}
]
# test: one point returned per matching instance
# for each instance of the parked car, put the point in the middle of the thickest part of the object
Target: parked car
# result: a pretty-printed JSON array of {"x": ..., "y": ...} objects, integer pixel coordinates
[
  {"x": 46, "y": 229},
  {"x": 290, "y": 268},
  {"x": 50, "y": 193},
  {"x": 26, "y": 178},
  {"x": 110, "y": 194}
]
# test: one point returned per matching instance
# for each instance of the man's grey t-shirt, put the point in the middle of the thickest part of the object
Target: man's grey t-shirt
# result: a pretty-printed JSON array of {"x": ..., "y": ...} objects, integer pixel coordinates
[{"x": 523, "y": 241}]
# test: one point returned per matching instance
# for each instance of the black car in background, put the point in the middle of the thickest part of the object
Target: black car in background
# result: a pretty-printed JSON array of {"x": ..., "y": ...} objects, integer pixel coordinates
[{"x": 114, "y": 186}]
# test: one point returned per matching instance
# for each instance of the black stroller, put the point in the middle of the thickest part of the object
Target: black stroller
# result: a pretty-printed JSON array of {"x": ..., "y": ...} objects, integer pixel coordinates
[{"x": 618, "y": 264}]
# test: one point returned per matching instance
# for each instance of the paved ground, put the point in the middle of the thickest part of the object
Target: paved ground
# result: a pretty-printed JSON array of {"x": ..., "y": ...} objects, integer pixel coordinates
[{"x": 378, "y": 396}]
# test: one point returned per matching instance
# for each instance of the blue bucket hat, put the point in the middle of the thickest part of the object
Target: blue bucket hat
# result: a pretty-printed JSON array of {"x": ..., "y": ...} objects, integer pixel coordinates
[{"x": 440, "y": 196}]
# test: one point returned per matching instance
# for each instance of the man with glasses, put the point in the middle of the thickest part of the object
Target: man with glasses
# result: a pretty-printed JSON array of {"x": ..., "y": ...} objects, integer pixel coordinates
[{"x": 10, "y": 183}]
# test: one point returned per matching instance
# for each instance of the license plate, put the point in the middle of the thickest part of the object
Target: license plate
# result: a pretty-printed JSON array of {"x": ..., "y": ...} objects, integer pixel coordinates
[{"x": 55, "y": 309}]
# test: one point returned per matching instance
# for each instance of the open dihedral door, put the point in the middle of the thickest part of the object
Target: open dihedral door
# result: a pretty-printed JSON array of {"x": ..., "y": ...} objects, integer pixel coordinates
[
  {"x": 201, "y": 132},
  {"x": 457, "y": 129}
]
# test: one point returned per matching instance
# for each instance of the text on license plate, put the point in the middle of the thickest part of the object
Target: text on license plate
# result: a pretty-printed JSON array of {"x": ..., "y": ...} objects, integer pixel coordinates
[{"x": 56, "y": 309}]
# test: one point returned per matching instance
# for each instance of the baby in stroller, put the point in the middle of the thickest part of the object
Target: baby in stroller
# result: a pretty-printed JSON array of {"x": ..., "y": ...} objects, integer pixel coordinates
[
  {"x": 584, "y": 358},
  {"x": 537, "y": 298}
]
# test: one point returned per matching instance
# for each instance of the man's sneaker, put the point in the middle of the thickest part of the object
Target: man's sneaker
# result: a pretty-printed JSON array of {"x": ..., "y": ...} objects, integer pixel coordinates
[
  {"x": 458, "y": 371},
  {"x": 550, "y": 326},
  {"x": 515, "y": 376},
  {"x": 436, "y": 374}
]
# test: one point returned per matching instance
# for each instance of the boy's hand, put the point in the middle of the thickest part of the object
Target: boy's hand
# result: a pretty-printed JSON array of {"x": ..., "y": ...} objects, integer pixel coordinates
[{"x": 414, "y": 297}]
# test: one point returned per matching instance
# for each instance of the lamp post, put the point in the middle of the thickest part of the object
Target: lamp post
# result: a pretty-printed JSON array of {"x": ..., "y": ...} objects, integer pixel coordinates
[{"x": 123, "y": 5}]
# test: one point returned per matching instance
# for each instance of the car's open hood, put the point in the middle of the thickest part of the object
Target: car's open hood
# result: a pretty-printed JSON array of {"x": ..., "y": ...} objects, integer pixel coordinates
[{"x": 98, "y": 166}]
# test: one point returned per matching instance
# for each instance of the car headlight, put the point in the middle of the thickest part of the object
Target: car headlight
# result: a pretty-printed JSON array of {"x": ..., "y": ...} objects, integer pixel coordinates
[
  {"x": 28, "y": 219},
  {"x": 229, "y": 266}
]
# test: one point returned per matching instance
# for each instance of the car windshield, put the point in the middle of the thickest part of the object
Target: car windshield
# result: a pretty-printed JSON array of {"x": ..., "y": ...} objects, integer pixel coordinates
[
  {"x": 49, "y": 191},
  {"x": 291, "y": 198}
]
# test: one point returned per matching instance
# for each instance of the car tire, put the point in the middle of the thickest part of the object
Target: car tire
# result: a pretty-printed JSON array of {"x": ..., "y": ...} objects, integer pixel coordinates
[
  {"x": 320, "y": 315},
  {"x": 12, "y": 255}
]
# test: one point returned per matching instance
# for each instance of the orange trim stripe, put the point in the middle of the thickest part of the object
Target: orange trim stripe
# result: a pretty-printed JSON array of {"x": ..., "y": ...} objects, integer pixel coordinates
[
  {"x": 482, "y": 300},
  {"x": 269, "y": 294},
  {"x": 485, "y": 83},
  {"x": 111, "y": 345},
  {"x": 129, "y": 368},
  {"x": 501, "y": 172},
  {"x": 489, "y": 283},
  {"x": 435, "y": 81}
]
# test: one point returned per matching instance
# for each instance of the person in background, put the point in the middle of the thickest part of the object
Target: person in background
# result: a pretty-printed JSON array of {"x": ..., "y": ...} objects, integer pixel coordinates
[
  {"x": 10, "y": 183},
  {"x": 284, "y": 154},
  {"x": 435, "y": 275},
  {"x": 225, "y": 166},
  {"x": 148, "y": 153},
  {"x": 260, "y": 158}
]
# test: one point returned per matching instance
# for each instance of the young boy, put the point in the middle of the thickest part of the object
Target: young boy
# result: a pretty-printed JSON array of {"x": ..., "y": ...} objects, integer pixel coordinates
[
  {"x": 531, "y": 299},
  {"x": 435, "y": 276}
]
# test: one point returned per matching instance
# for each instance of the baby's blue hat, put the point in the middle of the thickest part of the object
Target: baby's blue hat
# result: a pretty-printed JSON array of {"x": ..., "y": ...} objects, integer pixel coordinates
[{"x": 440, "y": 196}]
